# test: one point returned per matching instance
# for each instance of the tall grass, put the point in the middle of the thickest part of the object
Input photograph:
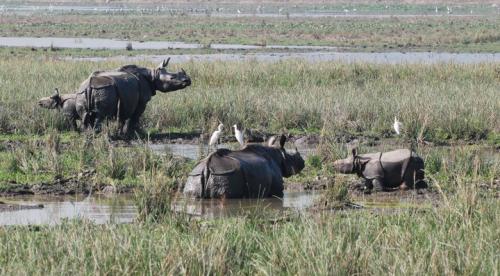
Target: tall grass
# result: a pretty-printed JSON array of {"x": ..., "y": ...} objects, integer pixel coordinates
[
  {"x": 459, "y": 237},
  {"x": 445, "y": 101},
  {"x": 46, "y": 159}
]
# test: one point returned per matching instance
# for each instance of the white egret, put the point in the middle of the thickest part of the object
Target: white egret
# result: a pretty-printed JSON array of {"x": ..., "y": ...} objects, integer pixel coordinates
[
  {"x": 397, "y": 126},
  {"x": 238, "y": 11},
  {"x": 214, "y": 139},
  {"x": 239, "y": 135}
]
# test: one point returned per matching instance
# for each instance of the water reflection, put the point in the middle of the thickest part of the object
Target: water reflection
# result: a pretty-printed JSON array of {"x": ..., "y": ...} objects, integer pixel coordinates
[
  {"x": 213, "y": 208},
  {"x": 121, "y": 208}
]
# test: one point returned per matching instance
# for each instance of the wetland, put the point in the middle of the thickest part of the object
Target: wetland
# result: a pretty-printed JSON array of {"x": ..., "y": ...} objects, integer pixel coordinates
[{"x": 77, "y": 202}]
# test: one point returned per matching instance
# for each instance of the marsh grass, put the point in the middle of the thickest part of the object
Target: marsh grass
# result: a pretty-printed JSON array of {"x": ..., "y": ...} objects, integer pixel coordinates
[
  {"x": 437, "y": 102},
  {"x": 47, "y": 159},
  {"x": 459, "y": 236}
]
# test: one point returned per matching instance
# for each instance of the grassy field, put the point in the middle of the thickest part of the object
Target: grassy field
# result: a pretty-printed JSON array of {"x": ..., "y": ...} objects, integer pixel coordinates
[
  {"x": 442, "y": 33},
  {"x": 437, "y": 102}
]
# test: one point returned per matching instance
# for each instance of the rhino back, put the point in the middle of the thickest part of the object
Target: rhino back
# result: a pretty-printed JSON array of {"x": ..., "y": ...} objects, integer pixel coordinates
[
  {"x": 389, "y": 167},
  {"x": 244, "y": 174},
  {"x": 262, "y": 175}
]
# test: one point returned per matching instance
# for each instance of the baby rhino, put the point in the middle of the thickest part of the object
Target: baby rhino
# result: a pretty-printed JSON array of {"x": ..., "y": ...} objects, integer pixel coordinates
[
  {"x": 65, "y": 102},
  {"x": 385, "y": 170}
]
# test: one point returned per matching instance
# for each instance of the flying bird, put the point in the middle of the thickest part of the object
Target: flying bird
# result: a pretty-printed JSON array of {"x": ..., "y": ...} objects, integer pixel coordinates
[
  {"x": 397, "y": 126},
  {"x": 214, "y": 139},
  {"x": 239, "y": 135}
]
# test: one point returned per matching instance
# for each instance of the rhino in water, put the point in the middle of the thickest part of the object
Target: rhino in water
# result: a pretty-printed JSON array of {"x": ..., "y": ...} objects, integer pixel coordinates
[
  {"x": 252, "y": 172},
  {"x": 124, "y": 94},
  {"x": 65, "y": 103},
  {"x": 385, "y": 170}
]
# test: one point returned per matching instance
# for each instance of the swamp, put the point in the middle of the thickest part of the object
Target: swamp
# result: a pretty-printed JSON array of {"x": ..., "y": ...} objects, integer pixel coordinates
[{"x": 331, "y": 76}]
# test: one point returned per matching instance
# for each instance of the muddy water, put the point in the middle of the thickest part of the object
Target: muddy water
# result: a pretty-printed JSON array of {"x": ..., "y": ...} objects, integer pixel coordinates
[
  {"x": 194, "y": 151},
  {"x": 121, "y": 208}
]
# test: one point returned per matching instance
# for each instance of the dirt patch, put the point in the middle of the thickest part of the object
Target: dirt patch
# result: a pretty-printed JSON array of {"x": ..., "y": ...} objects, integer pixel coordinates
[{"x": 77, "y": 184}]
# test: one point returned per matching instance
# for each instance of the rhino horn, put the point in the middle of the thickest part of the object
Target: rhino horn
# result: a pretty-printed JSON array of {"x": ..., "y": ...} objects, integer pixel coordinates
[{"x": 184, "y": 72}]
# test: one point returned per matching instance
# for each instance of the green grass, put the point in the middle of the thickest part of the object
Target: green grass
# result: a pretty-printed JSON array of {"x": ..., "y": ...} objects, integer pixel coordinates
[
  {"x": 441, "y": 102},
  {"x": 458, "y": 237},
  {"x": 36, "y": 161},
  {"x": 464, "y": 33}
]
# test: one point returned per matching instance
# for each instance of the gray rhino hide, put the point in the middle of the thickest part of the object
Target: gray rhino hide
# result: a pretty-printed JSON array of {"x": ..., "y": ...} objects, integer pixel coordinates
[
  {"x": 389, "y": 166},
  {"x": 235, "y": 174}
]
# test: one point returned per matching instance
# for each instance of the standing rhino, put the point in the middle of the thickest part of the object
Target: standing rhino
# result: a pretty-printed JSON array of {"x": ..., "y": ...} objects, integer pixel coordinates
[
  {"x": 65, "y": 102},
  {"x": 124, "y": 93},
  {"x": 254, "y": 171},
  {"x": 385, "y": 170}
]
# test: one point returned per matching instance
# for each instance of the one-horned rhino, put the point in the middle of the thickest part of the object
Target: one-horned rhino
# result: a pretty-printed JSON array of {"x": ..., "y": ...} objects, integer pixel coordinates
[
  {"x": 253, "y": 172},
  {"x": 66, "y": 103},
  {"x": 385, "y": 170},
  {"x": 124, "y": 93}
]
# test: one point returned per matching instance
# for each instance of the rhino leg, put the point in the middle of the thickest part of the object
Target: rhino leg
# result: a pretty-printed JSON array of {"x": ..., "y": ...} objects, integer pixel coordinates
[
  {"x": 414, "y": 176},
  {"x": 134, "y": 120},
  {"x": 373, "y": 185},
  {"x": 72, "y": 121}
]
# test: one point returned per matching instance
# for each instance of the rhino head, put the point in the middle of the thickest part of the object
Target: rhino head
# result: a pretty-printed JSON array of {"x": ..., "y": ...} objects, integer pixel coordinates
[
  {"x": 290, "y": 163},
  {"x": 352, "y": 164},
  {"x": 51, "y": 102},
  {"x": 166, "y": 82}
]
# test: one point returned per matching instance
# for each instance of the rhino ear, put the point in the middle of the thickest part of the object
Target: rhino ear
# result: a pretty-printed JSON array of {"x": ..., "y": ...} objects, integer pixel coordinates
[
  {"x": 56, "y": 93},
  {"x": 354, "y": 152},
  {"x": 282, "y": 141}
]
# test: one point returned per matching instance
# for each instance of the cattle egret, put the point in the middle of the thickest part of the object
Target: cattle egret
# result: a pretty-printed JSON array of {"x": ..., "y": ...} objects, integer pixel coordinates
[
  {"x": 239, "y": 135},
  {"x": 397, "y": 126},
  {"x": 238, "y": 11},
  {"x": 214, "y": 139},
  {"x": 436, "y": 10}
]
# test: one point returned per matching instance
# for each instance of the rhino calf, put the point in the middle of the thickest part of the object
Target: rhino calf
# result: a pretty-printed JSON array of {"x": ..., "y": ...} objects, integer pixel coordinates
[
  {"x": 65, "y": 103},
  {"x": 385, "y": 170},
  {"x": 254, "y": 171}
]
